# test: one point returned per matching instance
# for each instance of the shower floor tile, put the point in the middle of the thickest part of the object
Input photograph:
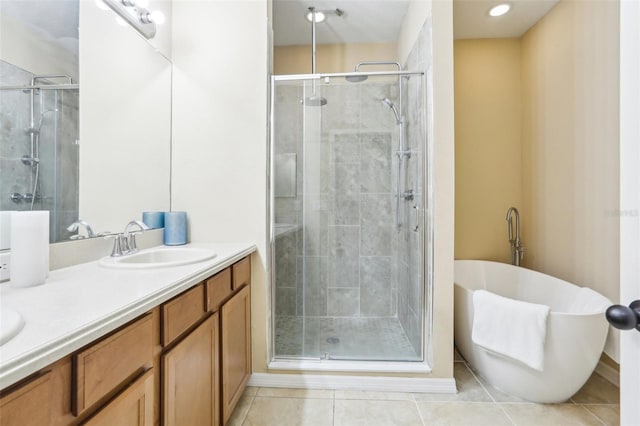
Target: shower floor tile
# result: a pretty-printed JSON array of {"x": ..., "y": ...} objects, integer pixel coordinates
[{"x": 343, "y": 338}]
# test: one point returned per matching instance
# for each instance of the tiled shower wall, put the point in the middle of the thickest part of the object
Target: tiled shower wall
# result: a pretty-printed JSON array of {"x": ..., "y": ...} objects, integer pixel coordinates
[
  {"x": 59, "y": 178},
  {"x": 410, "y": 273},
  {"x": 345, "y": 224}
]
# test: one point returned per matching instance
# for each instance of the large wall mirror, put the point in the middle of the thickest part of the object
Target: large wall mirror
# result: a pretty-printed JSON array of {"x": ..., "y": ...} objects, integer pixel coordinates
[{"x": 85, "y": 115}]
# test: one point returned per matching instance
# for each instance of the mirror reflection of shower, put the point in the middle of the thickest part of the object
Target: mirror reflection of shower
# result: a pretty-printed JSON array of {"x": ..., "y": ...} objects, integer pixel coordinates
[
  {"x": 33, "y": 159},
  {"x": 40, "y": 129}
]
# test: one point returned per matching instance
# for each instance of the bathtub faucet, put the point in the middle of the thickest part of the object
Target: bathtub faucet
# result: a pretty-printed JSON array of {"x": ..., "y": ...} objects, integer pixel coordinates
[{"x": 517, "y": 249}]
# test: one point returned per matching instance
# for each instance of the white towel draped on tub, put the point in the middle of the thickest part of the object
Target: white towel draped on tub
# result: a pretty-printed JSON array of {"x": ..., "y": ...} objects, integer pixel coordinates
[{"x": 510, "y": 327}]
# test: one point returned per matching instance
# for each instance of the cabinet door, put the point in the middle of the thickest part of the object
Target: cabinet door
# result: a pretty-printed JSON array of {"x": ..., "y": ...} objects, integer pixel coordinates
[
  {"x": 235, "y": 323},
  {"x": 191, "y": 378},
  {"x": 132, "y": 407},
  {"x": 28, "y": 405}
]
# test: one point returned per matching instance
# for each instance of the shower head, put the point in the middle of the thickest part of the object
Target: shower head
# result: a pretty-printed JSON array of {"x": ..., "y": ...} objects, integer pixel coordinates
[
  {"x": 356, "y": 78},
  {"x": 315, "y": 101},
  {"x": 388, "y": 102}
]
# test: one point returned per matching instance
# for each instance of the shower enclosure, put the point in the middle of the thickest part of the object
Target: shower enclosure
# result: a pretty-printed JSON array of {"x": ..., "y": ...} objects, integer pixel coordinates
[
  {"x": 350, "y": 224},
  {"x": 39, "y": 146}
]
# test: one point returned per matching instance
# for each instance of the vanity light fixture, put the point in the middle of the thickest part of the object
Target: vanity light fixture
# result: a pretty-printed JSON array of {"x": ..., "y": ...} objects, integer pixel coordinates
[
  {"x": 499, "y": 10},
  {"x": 134, "y": 12}
]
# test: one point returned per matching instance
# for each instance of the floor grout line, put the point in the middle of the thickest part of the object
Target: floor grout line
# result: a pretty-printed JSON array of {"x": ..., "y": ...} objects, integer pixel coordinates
[
  {"x": 489, "y": 393},
  {"x": 419, "y": 412},
  {"x": 592, "y": 413},
  {"x": 480, "y": 383},
  {"x": 333, "y": 409},
  {"x": 253, "y": 398}
]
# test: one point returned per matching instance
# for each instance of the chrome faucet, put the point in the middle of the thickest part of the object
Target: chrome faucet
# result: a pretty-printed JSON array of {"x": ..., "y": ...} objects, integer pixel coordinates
[
  {"x": 125, "y": 243},
  {"x": 130, "y": 237},
  {"x": 517, "y": 249},
  {"x": 81, "y": 223}
]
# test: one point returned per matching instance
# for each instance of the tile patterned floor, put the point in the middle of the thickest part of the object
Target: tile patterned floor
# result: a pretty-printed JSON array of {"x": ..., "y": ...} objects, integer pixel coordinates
[
  {"x": 475, "y": 404},
  {"x": 376, "y": 338}
]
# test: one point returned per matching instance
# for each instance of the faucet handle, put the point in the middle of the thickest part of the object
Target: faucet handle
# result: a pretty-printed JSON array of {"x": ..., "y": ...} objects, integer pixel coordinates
[
  {"x": 120, "y": 246},
  {"x": 131, "y": 241}
]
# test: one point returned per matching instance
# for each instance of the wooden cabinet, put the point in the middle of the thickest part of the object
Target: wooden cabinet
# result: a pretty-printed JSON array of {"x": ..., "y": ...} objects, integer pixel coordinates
[
  {"x": 206, "y": 372},
  {"x": 235, "y": 326},
  {"x": 191, "y": 378},
  {"x": 132, "y": 407},
  {"x": 182, "y": 312},
  {"x": 102, "y": 367},
  {"x": 29, "y": 404},
  {"x": 241, "y": 273},
  {"x": 218, "y": 290},
  {"x": 185, "y": 362}
]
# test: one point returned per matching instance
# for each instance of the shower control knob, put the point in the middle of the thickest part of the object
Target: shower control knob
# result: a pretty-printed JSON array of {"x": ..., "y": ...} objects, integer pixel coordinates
[{"x": 624, "y": 317}]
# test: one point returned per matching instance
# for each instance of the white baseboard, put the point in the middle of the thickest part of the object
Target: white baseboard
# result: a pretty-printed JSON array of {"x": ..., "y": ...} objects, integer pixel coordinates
[
  {"x": 609, "y": 373},
  {"x": 365, "y": 383}
]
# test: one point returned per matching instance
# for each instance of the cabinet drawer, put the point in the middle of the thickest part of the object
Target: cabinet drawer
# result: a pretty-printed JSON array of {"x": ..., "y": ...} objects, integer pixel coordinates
[
  {"x": 218, "y": 289},
  {"x": 242, "y": 273},
  {"x": 105, "y": 365},
  {"x": 132, "y": 407},
  {"x": 181, "y": 313}
]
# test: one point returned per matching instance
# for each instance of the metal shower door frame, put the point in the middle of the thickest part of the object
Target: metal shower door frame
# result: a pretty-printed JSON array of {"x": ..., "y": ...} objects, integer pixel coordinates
[{"x": 426, "y": 207}]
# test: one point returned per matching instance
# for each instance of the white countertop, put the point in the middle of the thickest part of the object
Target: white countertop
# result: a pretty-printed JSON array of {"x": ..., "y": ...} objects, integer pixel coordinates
[{"x": 81, "y": 303}]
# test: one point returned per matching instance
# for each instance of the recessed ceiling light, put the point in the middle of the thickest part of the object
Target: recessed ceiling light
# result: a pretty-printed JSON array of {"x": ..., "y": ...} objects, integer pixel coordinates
[
  {"x": 319, "y": 16},
  {"x": 500, "y": 9}
]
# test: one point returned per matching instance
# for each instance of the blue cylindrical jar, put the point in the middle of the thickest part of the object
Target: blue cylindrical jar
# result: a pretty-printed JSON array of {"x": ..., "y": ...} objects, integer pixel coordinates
[{"x": 175, "y": 228}]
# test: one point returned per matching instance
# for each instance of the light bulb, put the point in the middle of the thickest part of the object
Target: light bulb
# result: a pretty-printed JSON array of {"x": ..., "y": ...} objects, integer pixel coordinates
[
  {"x": 157, "y": 17},
  {"x": 500, "y": 9},
  {"x": 319, "y": 17}
]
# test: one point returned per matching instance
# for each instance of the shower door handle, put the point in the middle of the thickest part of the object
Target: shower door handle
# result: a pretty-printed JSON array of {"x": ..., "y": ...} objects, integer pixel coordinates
[{"x": 417, "y": 210}]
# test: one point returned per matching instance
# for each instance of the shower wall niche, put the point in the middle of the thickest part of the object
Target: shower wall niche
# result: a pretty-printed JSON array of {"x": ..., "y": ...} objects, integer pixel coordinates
[{"x": 347, "y": 280}]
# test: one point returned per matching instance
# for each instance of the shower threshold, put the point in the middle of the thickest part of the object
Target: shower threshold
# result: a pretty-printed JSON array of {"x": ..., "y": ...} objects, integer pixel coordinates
[{"x": 367, "y": 366}]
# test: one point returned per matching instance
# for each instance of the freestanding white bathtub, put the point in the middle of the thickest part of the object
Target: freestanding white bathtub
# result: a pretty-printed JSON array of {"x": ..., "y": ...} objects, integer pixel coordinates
[{"x": 576, "y": 330}]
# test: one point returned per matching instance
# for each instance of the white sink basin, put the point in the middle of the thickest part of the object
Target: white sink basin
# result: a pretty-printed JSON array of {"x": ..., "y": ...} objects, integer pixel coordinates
[
  {"x": 11, "y": 323},
  {"x": 159, "y": 257}
]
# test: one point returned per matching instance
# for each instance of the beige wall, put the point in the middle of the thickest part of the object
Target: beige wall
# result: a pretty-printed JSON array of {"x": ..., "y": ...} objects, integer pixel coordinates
[
  {"x": 330, "y": 57},
  {"x": 570, "y": 145},
  {"x": 220, "y": 133},
  {"x": 488, "y": 149},
  {"x": 567, "y": 151},
  {"x": 441, "y": 131}
]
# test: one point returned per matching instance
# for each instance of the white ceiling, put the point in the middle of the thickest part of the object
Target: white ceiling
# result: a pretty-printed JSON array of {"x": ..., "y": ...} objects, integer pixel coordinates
[
  {"x": 364, "y": 21},
  {"x": 378, "y": 21}
]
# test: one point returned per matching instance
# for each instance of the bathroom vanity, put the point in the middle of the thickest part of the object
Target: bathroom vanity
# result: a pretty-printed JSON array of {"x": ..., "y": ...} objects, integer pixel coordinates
[{"x": 174, "y": 353}]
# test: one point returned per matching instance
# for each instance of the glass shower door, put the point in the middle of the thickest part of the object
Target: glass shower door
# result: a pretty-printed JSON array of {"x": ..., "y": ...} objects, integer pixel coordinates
[{"x": 351, "y": 298}]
